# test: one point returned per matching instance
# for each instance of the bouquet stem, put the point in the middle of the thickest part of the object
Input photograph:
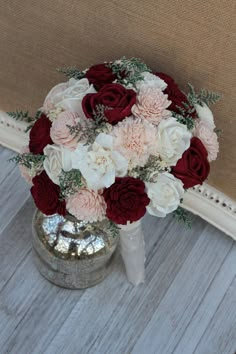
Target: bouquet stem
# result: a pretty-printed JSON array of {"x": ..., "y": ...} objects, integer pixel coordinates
[{"x": 133, "y": 251}]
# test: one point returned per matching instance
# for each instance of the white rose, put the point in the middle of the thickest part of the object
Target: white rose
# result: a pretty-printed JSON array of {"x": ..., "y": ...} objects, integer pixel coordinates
[
  {"x": 69, "y": 96},
  {"x": 205, "y": 114},
  {"x": 57, "y": 158},
  {"x": 99, "y": 163},
  {"x": 152, "y": 81},
  {"x": 173, "y": 138},
  {"x": 164, "y": 194}
]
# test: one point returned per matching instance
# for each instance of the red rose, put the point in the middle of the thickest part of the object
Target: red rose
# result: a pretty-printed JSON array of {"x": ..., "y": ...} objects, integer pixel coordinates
[
  {"x": 40, "y": 135},
  {"x": 175, "y": 95},
  {"x": 126, "y": 200},
  {"x": 46, "y": 195},
  {"x": 99, "y": 75},
  {"x": 193, "y": 167},
  {"x": 116, "y": 97}
]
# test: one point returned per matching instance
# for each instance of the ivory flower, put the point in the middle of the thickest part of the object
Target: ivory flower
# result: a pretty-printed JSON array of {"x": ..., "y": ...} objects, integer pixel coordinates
[
  {"x": 173, "y": 138},
  {"x": 57, "y": 158},
  {"x": 205, "y": 114},
  {"x": 152, "y": 81},
  {"x": 60, "y": 132},
  {"x": 87, "y": 205},
  {"x": 151, "y": 105},
  {"x": 164, "y": 194},
  {"x": 100, "y": 162},
  {"x": 68, "y": 96},
  {"x": 54, "y": 96},
  {"x": 208, "y": 138},
  {"x": 135, "y": 139}
]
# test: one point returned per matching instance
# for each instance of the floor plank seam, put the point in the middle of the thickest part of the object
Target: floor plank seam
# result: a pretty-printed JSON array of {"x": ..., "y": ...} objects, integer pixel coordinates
[
  {"x": 210, "y": 322},
  {"x": 203, "y": 297},
  {"x": 8, "y": 176},
  {"x": 158, "y": 241},
  {"x": 15, "y": 214},
  {"x": 17, "y": 268}
]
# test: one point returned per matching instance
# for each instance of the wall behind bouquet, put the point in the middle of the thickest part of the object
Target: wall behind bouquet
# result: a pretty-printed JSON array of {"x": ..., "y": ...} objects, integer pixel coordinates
[{"x": 194, "y": 41}]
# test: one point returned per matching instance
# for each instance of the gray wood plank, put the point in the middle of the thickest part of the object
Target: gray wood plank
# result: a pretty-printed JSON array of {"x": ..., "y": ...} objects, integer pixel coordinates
[
  {"x": 112, "y": 316},
  {"x": 32, "y": 308},
  {"x": 186, "y": 305},
  {"x": 15, "y": 242},
  {"x": 220, "y": 336},
  {"x": 184, "y": 296},
  {"x": 209, "y": 305},
  {"x": 14, "y": 192},
  {"x": 5, "y": 166},
  {"x": 27, "y": 300}
]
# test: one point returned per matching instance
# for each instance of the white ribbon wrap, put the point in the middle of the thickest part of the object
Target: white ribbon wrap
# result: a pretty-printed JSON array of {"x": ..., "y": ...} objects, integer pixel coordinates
[{"x": 133, "y": 251}]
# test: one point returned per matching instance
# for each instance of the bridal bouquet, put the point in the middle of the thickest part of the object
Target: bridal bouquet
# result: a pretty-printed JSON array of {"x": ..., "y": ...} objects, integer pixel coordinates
[{"x": 117, "y": 140}]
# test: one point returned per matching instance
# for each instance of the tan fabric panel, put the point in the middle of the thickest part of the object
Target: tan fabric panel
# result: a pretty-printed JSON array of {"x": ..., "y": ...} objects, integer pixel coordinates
[{"x": 195, "y": 41}]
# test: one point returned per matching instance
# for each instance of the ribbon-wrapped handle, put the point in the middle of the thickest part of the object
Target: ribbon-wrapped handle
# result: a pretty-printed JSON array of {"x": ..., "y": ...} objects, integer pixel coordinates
[{"x": 133, "y": 251}]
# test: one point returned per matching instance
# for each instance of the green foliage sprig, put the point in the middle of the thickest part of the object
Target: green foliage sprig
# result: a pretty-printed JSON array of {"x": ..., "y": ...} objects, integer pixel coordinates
[
  {"x": 99, "y": 113},
  {"x": 113, "y": 228},
  {"x": 186, "y": 120},
  {"x": 218, "y": 131},
  {"x": 70, "y": 182},
  {"x": 182, "y": 217},
  {"x": 128, "y": 71},
  {"x": 88, "y": 130},
  {"x": 185, "y": 115},
  {"x": 72, "y": 72},
  {"x": 204, "y": 96},
  {"x": 25, "y": 117},
  {"x": 21, "y": 115},
  {"x": 32, "y": 161},
  {"x": 150, "y": 170}
]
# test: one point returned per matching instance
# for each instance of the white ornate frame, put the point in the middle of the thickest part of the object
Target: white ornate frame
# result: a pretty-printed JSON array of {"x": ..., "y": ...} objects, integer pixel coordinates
[{"x": 205, "y": 201}]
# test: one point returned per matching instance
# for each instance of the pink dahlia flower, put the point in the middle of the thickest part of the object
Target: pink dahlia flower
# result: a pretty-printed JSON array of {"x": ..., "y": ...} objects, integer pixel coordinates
[
  {"x": 209, "y": 139},
  {"x": 151, "y": 104},
  {"x": 87, "y": 205},
  {"x": 135, "y": 139}
]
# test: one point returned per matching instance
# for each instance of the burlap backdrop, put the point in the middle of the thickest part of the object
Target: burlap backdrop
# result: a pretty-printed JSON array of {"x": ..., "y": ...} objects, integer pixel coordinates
[{"x": 195, "y": 41}]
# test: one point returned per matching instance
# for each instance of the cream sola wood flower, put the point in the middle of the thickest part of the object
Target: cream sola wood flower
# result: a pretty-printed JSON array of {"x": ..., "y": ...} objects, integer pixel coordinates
[
  {"x": 68, "y": 96},
  {"x": 57, "y": 158},
  {"x": 165, "y": 194},
  {"x": 173, "y": 138},
  {"x": 150, "y": 81},
  {"x": 100, "y": 162},
  {"x": 205, "y": 114}
]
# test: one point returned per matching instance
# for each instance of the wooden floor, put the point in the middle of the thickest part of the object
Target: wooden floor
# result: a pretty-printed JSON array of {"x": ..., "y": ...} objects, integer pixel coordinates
[{"x": 187, "y": 305}]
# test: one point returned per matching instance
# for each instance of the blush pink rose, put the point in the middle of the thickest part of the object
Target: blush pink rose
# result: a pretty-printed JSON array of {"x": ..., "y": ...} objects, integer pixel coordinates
[
  {"x": 25, "y": 173},
  {"x": 209, "y": 139},
  {"x": 87, "y": 205},
  {"x": 151, "y": 105},
  {"x": 60, "y": 133}
]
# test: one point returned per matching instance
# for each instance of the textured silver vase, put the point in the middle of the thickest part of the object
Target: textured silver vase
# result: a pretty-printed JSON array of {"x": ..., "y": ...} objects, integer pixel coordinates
[{"x": 71, "y": 253}]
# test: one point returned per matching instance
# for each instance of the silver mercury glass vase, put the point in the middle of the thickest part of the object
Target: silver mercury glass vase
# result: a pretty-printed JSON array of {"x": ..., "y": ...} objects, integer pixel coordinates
[{"x": 71, "y": 253}]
